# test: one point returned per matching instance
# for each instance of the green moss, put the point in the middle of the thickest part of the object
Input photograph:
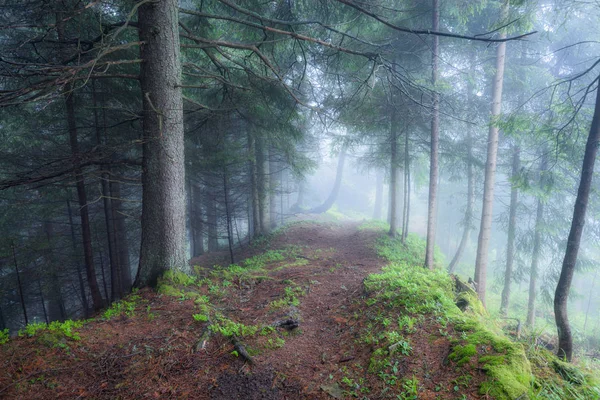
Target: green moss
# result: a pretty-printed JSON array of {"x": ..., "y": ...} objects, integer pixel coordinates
[
  {"x": 463, "y": 354},
  {"x": 472, "y": 302},
  {"x": 178, "y": 278}
]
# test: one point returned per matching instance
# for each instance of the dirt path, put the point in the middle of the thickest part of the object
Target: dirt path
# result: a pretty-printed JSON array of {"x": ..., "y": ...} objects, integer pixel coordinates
[{"x": 333, "y": 281}]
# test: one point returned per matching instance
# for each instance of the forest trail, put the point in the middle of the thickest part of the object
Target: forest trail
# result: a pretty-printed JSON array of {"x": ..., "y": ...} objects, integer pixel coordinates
[{"x": 151, "y": 346}]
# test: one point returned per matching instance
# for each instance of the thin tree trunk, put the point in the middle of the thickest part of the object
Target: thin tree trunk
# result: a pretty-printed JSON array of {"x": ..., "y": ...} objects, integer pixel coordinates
[
  {"x": 228, "y": 217},
  {"x": 115, "y": 273},
  {"x": 490, "y": 168},
  {"x": 393, "y": 175},
  {"x": 42, "y": 300},
  {"x": 512, "y": 226},
  {"x": 103, "y": 273},
  {"x": 537, "y": 244},
  {"x": 254, "y": 193},
  {"x": 212, "y": 220},
  {"x": 406, "y": 219},
  {"x": 469, "y": 210},
  {"x": 19, "y": 285},
  {"x": 561, "y": 295},
  {"x": 378, "y": 195},
  {"x": 163, "y": 172},
  {"x": 262, "y": 164},
  {"x": 435, "y": 137},
  {"x": 328, "y": 203},
  {"x": 80, "y": 184},
  {"x": 84, "y": 302},
  {"x": 587, "y": 310}
]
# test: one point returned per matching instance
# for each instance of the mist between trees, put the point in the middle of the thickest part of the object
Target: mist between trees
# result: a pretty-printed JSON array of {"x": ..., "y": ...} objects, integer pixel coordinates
[{"x": 136, "y": 136}]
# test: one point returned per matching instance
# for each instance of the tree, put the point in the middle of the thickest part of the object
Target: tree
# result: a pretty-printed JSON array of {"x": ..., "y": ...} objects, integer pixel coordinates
[
  {"x": 163, "y": 170},
  {"x": 490, "y": 167},
  {"x": 435, "y": 137},
  {"x": 561, "y": 295}
]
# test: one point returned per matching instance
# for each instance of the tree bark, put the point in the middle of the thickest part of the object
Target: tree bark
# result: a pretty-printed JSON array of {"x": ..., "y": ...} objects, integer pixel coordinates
[
  {"x": 512, "y": 225},
  {"x": 469, "y": 210},
  {"x": 537, "y": 244},
  {"x": 328, "y": 203},
  {"x": 561, "y": 295},
  {"x": 378, "y": 195},
  {"x": 435, "y": 136},
  {"x": 212, "y": 213},
  {"x": 163, "y": 173},
  {"x": 490, "y": 167}
]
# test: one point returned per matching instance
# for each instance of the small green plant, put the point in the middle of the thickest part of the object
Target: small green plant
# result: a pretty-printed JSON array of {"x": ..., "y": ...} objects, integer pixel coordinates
[
  {"x": 410, "y": 389},
  {"x": 276, "y": 343},
  {"x": 125, "y": 306},
  {"x": 290, "y": 298},
  {"x": 4, "y": 336},
  {"x": 200, "y": 317}
]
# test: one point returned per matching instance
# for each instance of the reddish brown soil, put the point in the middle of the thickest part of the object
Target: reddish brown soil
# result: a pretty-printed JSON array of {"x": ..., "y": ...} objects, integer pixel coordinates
[{"x": 152, "y": 354}]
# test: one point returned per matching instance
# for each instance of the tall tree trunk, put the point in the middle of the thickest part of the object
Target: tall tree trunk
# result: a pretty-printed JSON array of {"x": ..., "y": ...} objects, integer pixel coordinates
[
  {"x": 80, "y": 183},
  {"x": 212, "y": 213},
  {"x": 435, "y": 137},
  {"x": 19, "y": 285},
  {"x": 254, "y": 192},
  {"x": 328, "y": 203},
  {"x": 393, "y": 176},
  {"x": 163, "y": 172},
  {"x": 378, "y": 195},
  {"x": 469, "y": 210},
  {"x": 115, "y": 271},
  {"x": 120, "y": 234},
  {"x": 228, "y": 216},
  {"x": 490, "y": 167},
  {"x": 512, "y": 226},
  {"x": 405, "y": 218},
  {"x": 537, "y": 244},
  {"x": 263, "y": 176},
  {"x": 84, "y": 301},
  {"x": 561, "y": 295}
]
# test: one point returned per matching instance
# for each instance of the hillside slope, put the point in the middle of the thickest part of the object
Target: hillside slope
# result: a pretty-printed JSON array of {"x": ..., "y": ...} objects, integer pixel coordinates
[{"x": 307, "y": 314}]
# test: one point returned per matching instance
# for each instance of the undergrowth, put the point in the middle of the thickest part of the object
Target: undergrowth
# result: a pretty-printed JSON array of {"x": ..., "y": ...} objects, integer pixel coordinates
[{"x": 514, "y": 371}]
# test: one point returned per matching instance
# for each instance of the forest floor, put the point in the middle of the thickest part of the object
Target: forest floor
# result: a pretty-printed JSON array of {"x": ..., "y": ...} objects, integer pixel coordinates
[{"x": 224, "y": 336}]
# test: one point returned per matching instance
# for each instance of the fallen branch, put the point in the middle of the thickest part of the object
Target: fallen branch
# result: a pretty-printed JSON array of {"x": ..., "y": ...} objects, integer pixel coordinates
[{"x": 241, "y": 350}]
